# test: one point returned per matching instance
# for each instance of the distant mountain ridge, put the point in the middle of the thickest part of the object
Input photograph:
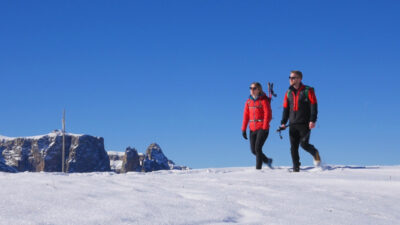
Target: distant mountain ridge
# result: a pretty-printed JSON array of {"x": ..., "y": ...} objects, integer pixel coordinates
[
  {"x": 153, "y": 160},
  {"x": 83, "y": 153}
]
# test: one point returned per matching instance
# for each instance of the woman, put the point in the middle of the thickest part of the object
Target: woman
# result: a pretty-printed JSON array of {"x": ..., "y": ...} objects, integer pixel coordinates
[{"x": 257, "y": 112}]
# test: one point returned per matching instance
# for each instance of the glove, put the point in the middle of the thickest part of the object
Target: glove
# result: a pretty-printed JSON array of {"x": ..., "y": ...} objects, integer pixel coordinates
[
  {"x": 281, "y": 128},
  {"x": 244, "y": 135}
]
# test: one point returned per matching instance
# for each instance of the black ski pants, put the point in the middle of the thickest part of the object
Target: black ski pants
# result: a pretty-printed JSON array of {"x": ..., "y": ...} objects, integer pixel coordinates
[
  {"x": 300, "y": 135},
  {"x": 257, "y": 140}
]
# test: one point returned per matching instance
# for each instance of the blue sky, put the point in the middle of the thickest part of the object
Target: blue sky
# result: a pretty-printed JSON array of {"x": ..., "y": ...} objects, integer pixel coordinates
[{"x": 177, "y": 73}]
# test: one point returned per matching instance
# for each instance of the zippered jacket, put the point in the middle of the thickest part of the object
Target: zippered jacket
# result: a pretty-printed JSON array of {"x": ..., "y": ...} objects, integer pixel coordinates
[
  {"x": 300, "y": 106},
  {"x": 257, "y": 113}
]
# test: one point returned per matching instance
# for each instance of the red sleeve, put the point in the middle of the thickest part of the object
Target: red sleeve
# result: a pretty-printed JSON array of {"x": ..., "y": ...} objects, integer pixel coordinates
[
  {"x": 311, "y": 96},
  {"x": 285, "y": 101},
  {"x": 245, "y": 117},
  {"x": 267, "y": 114}
]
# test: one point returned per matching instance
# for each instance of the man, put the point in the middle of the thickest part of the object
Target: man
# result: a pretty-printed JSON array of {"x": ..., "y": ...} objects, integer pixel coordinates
[{"x": 301, "y": 109}]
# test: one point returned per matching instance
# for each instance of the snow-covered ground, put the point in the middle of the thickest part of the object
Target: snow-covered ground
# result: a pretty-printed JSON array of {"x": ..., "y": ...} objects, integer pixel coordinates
[{"x": 336, "y": 195}]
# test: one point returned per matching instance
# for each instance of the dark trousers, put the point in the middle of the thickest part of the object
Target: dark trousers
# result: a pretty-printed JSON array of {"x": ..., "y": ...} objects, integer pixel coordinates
[
  {"x": 257, "y": 140},
  {"x": 300, "y": 135}
]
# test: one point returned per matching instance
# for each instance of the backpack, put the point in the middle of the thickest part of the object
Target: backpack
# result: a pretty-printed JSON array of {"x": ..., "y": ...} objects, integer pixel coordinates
[{"x": 306, "y": 90}]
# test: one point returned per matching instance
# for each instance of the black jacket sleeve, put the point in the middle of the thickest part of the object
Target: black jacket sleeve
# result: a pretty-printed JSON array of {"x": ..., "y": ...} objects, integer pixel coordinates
[
  {"x": 285, "y": 115},
  {"x": 314, "y": 113},
  {"x": 286, "y": 110},
  {"x": 313, "y": 105}
]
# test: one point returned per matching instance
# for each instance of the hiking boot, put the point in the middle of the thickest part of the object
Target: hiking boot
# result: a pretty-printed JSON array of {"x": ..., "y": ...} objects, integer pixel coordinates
[
  {"x": 317, "y": 158},
  {"x": 269, "y": 163},
  {"x": 296, "y": 168}
]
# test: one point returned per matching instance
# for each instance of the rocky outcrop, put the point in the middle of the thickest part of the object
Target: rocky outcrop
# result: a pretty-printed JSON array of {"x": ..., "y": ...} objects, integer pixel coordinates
[
  {"x": 130, "y": 161},
  {"x": 83, "y": 153},
  {"x": 156, "y": 160},
  {"x": 5, "y": 168},
  {"x": 153, "y": 160}
]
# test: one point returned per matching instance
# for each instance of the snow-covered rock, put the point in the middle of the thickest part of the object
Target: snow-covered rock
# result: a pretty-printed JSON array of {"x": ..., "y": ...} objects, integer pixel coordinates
[
  {"x": 116, "y": 159},
  {"x": 155, "y": 159},
  {"x": 6, "y": 168},
  {"x": 83, "y": 153},
  {"x": 131, "y": 160}
]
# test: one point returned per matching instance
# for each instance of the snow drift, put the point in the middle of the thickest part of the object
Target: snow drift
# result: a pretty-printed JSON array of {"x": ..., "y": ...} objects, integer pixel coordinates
[{"x": 332, "y": 195}]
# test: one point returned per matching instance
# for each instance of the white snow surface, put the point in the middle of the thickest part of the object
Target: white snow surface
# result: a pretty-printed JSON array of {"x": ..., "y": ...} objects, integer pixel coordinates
[
  {"x": 118, "y": 153},
  {"x": 55, "y": 133},
  {"x": 116, "y": 164},
  {"x": 333, "y": 195}
]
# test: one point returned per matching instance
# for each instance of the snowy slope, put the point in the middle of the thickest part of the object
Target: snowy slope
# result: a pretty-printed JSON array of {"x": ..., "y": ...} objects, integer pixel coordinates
[{"x": 337, "y": 195}]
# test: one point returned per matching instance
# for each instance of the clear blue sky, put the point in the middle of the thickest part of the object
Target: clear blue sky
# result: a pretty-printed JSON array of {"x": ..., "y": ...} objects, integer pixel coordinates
[{"x": 177, "y": 73}]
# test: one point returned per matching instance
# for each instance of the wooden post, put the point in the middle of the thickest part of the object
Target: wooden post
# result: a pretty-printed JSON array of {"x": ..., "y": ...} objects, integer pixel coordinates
[{"x": 63, "y": 143}]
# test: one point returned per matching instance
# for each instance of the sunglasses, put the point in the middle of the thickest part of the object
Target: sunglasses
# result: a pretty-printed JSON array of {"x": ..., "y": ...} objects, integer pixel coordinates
[
  {"x": 253, "y": 88},
  {"x": 293, "y": 78}
]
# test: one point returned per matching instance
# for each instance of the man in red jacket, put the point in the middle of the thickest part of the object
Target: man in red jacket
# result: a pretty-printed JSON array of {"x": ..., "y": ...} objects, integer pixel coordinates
[
  {"x": 301, "y": 109},
  {"x": 257, "y": 112}
]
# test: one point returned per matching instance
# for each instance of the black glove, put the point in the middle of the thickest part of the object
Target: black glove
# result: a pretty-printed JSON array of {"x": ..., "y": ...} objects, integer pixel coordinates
[
  {"x": 281, "y": 128},
  {"x": 244, "y": 135}
]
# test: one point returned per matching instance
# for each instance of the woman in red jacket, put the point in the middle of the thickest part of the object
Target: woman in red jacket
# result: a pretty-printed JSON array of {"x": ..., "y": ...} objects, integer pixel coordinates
[{"x": 257, "y": 114}]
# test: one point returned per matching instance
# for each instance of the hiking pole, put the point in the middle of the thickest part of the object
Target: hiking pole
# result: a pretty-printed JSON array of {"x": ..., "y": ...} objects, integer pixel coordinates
[{"x": 280, "y": 129}]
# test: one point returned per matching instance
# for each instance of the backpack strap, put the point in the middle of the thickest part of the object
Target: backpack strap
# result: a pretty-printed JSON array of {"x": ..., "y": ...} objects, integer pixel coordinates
[
  {"x": 306, "y": 91},
  {"x": 289, "y": 92}
]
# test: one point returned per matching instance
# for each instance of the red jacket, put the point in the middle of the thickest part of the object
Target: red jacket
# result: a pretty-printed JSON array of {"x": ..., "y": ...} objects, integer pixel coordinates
[{"x": 258, "y": 112}]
